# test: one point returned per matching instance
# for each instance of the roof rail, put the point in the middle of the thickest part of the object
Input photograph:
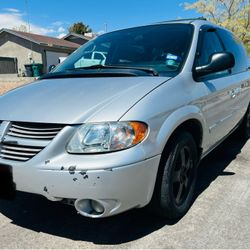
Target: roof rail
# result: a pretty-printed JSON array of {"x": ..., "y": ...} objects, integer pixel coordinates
[{"x": 184, "y": 19}]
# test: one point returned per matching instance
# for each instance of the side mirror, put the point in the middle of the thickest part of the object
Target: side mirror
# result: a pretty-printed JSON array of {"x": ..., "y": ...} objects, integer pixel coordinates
[{"x": 217, "y": 62}]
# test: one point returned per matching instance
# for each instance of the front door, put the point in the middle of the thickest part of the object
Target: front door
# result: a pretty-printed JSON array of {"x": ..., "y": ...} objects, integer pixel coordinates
[{"x": 219, "y": 104}]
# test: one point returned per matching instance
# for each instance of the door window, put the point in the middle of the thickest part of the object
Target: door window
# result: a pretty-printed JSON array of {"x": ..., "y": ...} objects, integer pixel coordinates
[{"x": 210, "y": 44}]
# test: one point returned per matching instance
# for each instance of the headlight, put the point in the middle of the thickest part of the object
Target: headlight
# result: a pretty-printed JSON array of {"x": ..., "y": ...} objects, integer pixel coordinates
[{"x": 106, "y": 137}]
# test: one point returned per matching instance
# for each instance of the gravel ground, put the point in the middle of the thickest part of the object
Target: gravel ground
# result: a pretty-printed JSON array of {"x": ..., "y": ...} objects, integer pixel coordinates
[
  {"x": 6, "y": 86},
  {"x": 219, "y": 217}
]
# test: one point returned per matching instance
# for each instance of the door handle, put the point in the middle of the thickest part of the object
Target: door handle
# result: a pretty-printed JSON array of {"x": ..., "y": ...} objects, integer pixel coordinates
[
  {"x": 233, "y": 95},
  {"x": 234, "y": 92}
]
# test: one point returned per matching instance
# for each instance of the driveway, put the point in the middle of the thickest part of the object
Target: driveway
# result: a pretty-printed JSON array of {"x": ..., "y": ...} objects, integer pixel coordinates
[
  {"x": 7, "y": 84},
  {"x": 219, "y": 217}
]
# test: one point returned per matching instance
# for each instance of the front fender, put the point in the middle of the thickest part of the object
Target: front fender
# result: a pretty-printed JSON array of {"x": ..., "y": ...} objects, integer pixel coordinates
[
  {"x": 175, "y": 119},
  {"x": 162, "y": 130}
]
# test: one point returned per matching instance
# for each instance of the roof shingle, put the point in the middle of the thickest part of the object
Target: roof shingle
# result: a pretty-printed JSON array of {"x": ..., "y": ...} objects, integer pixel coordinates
[{"x": 44, "y": 40}]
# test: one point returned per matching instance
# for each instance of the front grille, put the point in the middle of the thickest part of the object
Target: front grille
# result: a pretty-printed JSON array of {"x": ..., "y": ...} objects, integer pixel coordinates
[
  {"x": 25, "y": 140},
  {"x": 34, "y": 131},
  {"x": 18, "y": 153}
]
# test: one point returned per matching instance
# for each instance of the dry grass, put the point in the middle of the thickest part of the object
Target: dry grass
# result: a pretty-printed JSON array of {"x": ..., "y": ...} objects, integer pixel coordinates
[{"x": 6, "y": 86}]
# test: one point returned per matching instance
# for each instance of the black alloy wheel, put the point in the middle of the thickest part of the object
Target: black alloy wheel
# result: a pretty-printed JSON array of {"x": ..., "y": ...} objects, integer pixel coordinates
[
  {"x": 183, "y": 175},
  {"x": 175, "y": 184},
  {"x": 244, "y": 128},
  {"x": 247, "y": 123}
]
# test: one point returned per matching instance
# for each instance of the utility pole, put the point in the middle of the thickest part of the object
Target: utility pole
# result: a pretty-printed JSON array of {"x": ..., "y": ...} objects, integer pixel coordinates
[
  {"x": 28, "y": 18},
  {"x": 30, "y": 54}
]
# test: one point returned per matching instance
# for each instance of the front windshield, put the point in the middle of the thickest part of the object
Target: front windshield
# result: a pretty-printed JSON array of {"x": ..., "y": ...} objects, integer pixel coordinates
[{"x": 162, "y": 47}]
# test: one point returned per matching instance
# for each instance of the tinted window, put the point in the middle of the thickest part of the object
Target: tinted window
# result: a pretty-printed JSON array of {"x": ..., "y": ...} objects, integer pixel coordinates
[
  {"x": 234, "y": 46},
  {"x": 210, "y": 45},
  {"x": 163, "y": 47}
]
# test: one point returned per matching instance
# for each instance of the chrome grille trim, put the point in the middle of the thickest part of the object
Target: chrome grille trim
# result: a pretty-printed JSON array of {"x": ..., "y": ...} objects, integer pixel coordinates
[
  {"x": 3, "y": 151},
  {"x": 23, "y": 140},
  {"x": 30, "y": 136},
  {"x": 21, "y": 149},
  {"x": 34, "y": 131},
  {"x": 18, "y": 153},
  {"x": 29, "y": 132},
  {"x": 9, "y": 157}
]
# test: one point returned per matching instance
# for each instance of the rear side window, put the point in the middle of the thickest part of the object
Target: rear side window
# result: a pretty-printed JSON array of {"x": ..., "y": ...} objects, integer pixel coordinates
[{"x": 234, "y": 46}]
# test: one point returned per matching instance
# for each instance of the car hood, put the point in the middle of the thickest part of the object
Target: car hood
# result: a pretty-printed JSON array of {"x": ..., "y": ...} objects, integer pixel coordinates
[{"x": 76, "y": 100}]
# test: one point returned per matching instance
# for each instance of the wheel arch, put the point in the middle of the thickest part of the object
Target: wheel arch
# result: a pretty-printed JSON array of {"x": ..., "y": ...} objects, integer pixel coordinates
[
  {"x": 189, "y": 119},
  {"x": 180, "y": 121}
]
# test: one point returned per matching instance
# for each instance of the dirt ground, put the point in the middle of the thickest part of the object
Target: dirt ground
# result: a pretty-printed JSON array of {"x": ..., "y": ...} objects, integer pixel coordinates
[{"x": 6, "y": 86}]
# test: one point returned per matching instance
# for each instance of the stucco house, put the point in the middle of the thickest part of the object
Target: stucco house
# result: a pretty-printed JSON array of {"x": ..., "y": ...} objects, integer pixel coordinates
[{"x": 24, "y": 48}]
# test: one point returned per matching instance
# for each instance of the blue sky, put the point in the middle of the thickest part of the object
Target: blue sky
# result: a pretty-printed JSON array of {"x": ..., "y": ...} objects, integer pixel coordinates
[{"x": 53, "y": 17}]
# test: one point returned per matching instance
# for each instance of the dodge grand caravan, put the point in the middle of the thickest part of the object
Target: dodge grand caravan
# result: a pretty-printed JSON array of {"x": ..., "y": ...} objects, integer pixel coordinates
[{"x": 124, "y": 121}]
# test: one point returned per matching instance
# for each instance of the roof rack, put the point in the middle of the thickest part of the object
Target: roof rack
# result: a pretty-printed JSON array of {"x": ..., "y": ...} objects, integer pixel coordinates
[{"x": 185, "y": 19}]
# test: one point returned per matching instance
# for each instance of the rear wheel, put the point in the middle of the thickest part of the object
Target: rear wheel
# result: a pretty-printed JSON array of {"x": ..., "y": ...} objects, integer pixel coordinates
[
  {"x": 244, "y": 129},
  {"x": 174, "y": 190}
]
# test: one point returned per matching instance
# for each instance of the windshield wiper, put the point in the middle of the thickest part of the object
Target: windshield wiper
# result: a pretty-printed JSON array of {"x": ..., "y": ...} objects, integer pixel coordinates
[
  {"x": 80, "y": 74},
  {"x": 90, "y": 71},
  {"x": 100, "y": 66}
]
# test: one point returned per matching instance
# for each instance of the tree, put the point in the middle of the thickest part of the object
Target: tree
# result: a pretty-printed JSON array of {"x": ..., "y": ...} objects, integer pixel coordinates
[
  {"x": 231, "y": 14},
  {"x": 22, "y": 28},
  {"x": 79, "y": 28}
]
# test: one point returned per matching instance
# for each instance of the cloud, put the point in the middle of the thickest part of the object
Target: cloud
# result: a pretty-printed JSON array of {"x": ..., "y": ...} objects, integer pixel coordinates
[
  {"x": 100, "y": 32},
  {"x": 12, "y": 10},
  {"x": 15, "y": 19},
  {"x": 61, "y": 35},
  {"x": 61, "y": 29},
  {"x": 57, "y": 23},
  {"x": 12, "y": 18}
]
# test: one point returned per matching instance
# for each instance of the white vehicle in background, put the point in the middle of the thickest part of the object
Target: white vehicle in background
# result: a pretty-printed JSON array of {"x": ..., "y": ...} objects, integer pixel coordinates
[
  {"x": 91, "y": 58},
  {"x": 61, "y": 59}
]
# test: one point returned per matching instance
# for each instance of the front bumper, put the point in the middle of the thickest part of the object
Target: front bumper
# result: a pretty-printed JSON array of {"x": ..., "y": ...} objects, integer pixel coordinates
[
  {"x": 118, "y": 188},
  {"x": 117, "y": 181}
]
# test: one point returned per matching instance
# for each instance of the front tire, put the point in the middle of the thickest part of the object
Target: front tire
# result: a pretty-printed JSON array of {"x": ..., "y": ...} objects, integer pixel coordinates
[{"x": 175, "y": 184}]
